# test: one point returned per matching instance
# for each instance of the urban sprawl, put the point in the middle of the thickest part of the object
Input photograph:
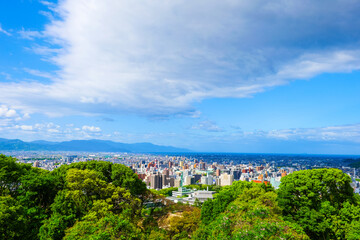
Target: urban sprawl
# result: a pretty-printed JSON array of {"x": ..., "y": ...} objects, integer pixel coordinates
[{"x": 160, "y": 171}]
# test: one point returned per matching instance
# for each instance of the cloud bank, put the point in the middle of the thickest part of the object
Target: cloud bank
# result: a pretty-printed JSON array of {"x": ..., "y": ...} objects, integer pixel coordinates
[{"x": 156, "y": 58}]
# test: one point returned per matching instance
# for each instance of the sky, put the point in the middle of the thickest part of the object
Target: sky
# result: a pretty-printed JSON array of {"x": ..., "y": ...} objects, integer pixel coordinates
[{"x": 212, "y": 76}]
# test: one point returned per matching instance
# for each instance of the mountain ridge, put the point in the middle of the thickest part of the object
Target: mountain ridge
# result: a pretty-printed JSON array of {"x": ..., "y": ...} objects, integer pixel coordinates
[{"x": 92, "y": 145}]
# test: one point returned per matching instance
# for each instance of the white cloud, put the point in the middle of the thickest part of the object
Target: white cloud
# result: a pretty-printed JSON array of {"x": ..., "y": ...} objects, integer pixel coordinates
[
  {"x": 30, "y": 35},
  {"x": 39, "y": 73},
  {"x": 53, "y": 130},
  {"x": 24, "y": 127},
  {"x": 9, "y": 117},
  {"x": 208, "y": 126},
  {"x": 50, "y": 131},
  {"x": 91, "y": 128},
  {"x": 349, "y": 133},
  {"x": 46, "y": 126},
  {"x": 4, "y": 31},
  {"x": 7, "y": 112},
  {"x": 159, "y": 58}
]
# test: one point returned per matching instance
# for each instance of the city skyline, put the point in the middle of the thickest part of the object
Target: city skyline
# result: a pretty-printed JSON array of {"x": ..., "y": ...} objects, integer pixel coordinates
[{"x": 269, "y": 77}]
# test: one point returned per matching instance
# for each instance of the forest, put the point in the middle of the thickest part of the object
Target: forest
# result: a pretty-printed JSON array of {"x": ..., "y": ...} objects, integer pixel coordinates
[{"x": 102, "y": 200}]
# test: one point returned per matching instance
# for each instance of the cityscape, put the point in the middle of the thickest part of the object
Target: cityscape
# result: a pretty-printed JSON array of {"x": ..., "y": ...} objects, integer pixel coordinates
[
  {"x": 161, "y": 171},
  {"x": 178, "y": 120}
]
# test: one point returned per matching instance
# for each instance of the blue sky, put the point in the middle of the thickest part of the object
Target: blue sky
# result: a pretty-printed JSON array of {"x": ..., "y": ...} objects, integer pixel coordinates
[{"x": 235, "y": 76}]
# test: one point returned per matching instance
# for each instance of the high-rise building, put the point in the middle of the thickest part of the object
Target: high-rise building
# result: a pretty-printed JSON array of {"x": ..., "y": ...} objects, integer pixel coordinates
[
  {"x": 226, "y": 179},
  {"x": 177, "y": 182},
  {"x": 208, "y": 180},
  {"x": 171, "y": 182},
  {"x": 188, "y": 180},
  {"x": 36, "y": 164},
  {"x": 164, "y": 180},
  {"x": 156, "y": 181},
  {"x": 236, "y": 174},
  {"x": 218, "y": 182}
]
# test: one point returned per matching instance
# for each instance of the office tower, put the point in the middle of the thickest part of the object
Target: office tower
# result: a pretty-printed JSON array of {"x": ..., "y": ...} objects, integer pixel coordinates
[
  {"x": 156, "y": 181},
  {"x": 226, "y": 179},
  {"x": 236, "y": 174},
  {"x": 188, "y": 180},
  {"x": 202, "y": 166}
]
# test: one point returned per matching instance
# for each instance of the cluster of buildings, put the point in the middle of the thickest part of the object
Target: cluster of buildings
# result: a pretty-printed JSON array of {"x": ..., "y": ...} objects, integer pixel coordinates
[
  {"x": 162, "y": 171},
  {"x": 178, "y": 172}
]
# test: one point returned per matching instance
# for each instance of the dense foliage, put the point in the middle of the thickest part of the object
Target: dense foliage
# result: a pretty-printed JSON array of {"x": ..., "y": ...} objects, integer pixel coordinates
[
  {"x": 76, "y": 201},
  {"x": 322, "y": 201},
  {"x": 101, "y": 200},
  {"x": 245, "y": 210}
]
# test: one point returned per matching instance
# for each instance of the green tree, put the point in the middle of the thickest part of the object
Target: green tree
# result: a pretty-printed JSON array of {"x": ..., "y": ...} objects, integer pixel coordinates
[
  {"x": 212, "y": 208},
  {"x": 254, "y": 214},
  {"x": 109, "y": 227},
  {"x": 123, "y": 176},
  {"x": 12, "y": 218},
  {"x": 104, "y": 169},
  {"x": 157, "y": 235},
  {"x": 165, "y": 192},
  {"x": 54, "y": 227},
  {"x": 314, "y": 199},
  {"x": 36, "y": 193},
  {"x": 10, "y": 174},
  {"x": 353, "y": 231},
  {"x": 87, "y": 196},
  {"x": 184, "y": 225}
]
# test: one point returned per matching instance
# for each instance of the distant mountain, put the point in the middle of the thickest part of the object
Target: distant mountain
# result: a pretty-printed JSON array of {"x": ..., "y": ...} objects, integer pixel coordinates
[
  {"x": 44, "y": 142},
  {"x": 85, "y": 145}
]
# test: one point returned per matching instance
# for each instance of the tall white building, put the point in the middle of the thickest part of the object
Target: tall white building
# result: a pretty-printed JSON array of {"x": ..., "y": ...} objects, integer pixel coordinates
[
  {"x": 188, "y": 180},
  {"x": 226, "y": 179},
  {"x": 208, "y": 180}
]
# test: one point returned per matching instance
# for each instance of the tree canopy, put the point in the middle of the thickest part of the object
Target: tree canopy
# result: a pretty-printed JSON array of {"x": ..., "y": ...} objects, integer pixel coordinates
[
  {"x": 102, "y": 200},
  {"x": 321, "y": 201}
]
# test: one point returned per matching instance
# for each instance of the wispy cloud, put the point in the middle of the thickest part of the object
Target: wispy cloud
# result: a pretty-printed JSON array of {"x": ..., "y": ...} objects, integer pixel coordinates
[
  {"x": 341, "y": 133},
  {"x": 6, "y": 75},
  {"x": 4, "y": 31},
  {"x": 38, "y": 73},
  {"x": 30, "y": 35},
  {"x": 158, "y": 59},
  {"x": 50, "y": 131},
  {"x": 349, "y": 133},
  {"x": 208, "y": 126}
]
